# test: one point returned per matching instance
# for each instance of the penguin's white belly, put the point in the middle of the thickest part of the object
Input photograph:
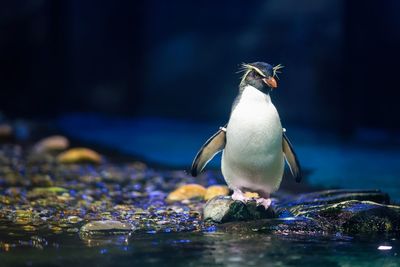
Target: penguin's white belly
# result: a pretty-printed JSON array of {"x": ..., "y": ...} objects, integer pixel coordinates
[{"x": 253, "y": 158}]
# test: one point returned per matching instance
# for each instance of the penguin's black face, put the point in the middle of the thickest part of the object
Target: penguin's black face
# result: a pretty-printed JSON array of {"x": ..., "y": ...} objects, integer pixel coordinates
[{"x": 261, "y": 76}]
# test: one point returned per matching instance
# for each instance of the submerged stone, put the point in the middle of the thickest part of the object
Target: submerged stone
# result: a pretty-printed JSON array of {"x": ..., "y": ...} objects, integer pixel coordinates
[
  {"x": 108, "y": 227},
  {"x": 223, "y": 209}
]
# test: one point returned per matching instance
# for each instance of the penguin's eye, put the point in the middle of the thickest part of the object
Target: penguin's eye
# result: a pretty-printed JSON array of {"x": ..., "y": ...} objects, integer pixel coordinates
[{"x": 258, "y": 75}]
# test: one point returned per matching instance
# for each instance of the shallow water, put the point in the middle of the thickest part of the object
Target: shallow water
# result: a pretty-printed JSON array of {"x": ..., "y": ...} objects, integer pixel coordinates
[{"x": 199, "y": 249}]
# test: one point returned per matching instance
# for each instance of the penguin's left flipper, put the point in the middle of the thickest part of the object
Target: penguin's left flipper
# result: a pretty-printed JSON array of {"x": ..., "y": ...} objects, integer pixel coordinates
[
  {"x": 291, "y": 158},
  {"x": 213, "y": 146}
]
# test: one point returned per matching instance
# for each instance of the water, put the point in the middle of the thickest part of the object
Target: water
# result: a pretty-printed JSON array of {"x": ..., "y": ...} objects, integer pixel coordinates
[{"x": 200, "y": 249}]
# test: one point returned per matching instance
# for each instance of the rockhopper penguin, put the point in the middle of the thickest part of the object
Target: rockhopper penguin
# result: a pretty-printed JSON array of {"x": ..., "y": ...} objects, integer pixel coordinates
[{"x": 253, "y": 142}]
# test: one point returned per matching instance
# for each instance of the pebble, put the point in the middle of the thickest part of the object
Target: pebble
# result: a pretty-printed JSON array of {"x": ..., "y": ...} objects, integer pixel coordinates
[
  {"x": 51, "y": 143},
  {"x": 79, "y": 155},
  {"x": 73, "y": 219},
  {"x": 187, "y": 192},
  {"x": 29, "y": 228},
  {"x": 108, "y": 227},
  {"x": 5, "y": 130}
]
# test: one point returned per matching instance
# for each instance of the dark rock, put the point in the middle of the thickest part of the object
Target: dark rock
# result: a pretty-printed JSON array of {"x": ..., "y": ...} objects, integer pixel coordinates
[
  {"x": 331, "y": 211},
  {"x": 355, "y": 217},
  {"x": 223, "y": 209}
]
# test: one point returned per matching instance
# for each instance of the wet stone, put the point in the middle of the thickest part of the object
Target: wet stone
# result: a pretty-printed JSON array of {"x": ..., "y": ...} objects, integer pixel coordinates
[
  {"x": 356, "y": 217},
  {"x": 222, "y": 209},
  {"x": 105, "y": 228}
]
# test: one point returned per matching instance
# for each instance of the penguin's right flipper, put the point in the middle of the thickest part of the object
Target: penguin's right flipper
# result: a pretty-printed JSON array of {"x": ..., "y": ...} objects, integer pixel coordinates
[
  {"x": 291, "y": 158},
  {"x": 213, "y": 146}
]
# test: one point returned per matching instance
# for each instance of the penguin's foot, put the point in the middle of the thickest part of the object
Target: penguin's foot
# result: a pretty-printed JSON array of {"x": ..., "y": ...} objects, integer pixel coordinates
[
  {"x": 239, "y": 195},
  {"x": 266, "y": 202}
]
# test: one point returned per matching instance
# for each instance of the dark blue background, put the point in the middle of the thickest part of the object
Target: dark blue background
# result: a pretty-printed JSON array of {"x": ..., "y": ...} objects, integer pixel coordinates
[{"x": 179, "y": 58}]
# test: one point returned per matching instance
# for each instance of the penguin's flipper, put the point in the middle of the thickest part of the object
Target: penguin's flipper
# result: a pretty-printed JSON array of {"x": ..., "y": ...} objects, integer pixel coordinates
[
  {"x": 291, "y": 158},
  {"x": 213, "y": 146}
]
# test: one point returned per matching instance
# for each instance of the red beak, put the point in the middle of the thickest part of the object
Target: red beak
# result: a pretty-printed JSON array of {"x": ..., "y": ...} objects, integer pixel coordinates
[{"x": 271, "y": 82}]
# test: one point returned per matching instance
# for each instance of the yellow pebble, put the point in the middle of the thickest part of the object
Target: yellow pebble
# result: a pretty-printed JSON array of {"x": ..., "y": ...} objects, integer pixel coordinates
[
  {"x": 77, "y": 155},
  {"x": 29, "y": 228},
  {"x": 186, "y": 192},
  {"x": 216, "y": 190}
]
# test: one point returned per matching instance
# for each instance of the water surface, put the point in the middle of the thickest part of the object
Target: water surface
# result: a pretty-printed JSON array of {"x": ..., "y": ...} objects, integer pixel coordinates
[{"x": 200, "y": 249}]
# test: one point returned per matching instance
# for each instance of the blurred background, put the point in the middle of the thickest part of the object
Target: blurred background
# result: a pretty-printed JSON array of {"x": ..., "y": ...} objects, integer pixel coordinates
[{"x": 156, "y": 78}]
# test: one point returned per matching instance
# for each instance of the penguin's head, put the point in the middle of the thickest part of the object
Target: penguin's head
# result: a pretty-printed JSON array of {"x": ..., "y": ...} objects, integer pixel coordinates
[{"x": 260, "y": 75}]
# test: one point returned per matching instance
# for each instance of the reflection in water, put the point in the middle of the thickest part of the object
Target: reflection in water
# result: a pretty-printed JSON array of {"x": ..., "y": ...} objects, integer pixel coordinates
[{"x": 201, "y": 249}]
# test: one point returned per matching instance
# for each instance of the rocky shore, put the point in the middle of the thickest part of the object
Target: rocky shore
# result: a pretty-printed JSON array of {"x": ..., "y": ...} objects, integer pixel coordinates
[{"x": 49, "y": 188}]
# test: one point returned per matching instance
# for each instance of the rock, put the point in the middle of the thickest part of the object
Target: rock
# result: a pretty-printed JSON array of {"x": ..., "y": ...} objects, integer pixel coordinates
[
  {"x": 52, "y": 143},
  {"x": 45, "y": 192},
  {"x": 79, "y": 155},
  {"x": 340, "y": 212},
  {"x": 187, "y": 192},
  {"x": 223, "y": 209},
  {"x": 6, "y": 131},
  {"x": 355, "y": 217},
  {"x": 41, "y": 180},
  {"x": 29, "y": 228},
  {"x": 23, "y": 217},
  {"x": 216, "y": 190},
  {"x": 74, "y": 219},
  {"x": 108, "y": 227}
]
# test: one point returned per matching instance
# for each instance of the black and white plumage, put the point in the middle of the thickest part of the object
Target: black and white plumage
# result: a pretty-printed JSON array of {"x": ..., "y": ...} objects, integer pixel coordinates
[{"x": 253, "y": 143}]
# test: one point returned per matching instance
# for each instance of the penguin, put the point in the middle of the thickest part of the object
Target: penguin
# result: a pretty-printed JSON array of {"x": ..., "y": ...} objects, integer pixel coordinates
[{"x": 253, "y": 143}]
